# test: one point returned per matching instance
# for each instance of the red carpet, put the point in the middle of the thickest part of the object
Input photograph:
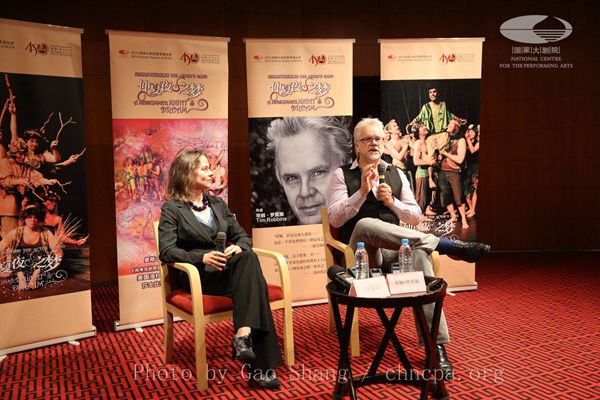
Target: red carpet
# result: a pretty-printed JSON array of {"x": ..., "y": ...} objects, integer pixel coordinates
[{"x": 531, "y": 331}]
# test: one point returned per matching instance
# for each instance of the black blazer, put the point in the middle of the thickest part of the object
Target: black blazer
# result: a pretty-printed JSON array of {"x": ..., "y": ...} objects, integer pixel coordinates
[{"x": 182, "y": 238}]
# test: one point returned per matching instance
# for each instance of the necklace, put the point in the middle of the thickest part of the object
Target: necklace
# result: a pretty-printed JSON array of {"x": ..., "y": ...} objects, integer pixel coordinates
[{"x": 202, "y": 207}]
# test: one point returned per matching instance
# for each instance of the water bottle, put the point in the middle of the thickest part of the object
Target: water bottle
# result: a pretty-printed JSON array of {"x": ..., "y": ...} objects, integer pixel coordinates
[
  {"x": 405, "y": 257},
  {"x": 361, "y": 259}
]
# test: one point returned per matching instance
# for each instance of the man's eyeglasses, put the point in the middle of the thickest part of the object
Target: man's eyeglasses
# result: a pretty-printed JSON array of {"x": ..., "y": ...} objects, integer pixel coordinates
[{"x": 368, "y": 140}]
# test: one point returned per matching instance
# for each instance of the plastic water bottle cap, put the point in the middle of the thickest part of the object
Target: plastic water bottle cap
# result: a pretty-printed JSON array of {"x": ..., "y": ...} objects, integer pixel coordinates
[
  {"x": 360, "y": 244},
  {"x": 404, "y": 241}
]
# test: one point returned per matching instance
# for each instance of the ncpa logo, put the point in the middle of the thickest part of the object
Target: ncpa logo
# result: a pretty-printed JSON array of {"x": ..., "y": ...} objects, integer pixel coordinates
[{"x": 536, "y": 29}]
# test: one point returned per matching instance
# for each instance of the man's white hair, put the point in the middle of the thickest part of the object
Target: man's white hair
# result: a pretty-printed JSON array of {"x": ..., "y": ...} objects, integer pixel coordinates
[{"x": 367, "y": 123}]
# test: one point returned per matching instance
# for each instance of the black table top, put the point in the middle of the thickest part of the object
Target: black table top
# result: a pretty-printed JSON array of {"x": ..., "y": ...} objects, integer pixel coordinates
[{"x": 401, "y": 300}]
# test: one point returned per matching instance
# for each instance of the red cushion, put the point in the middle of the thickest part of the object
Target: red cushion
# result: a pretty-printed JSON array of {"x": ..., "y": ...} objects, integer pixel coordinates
[
  {"x": 335, "y": 232},
  {"x": 275, "y": 293},
  {"x": 213, "y": 304}
]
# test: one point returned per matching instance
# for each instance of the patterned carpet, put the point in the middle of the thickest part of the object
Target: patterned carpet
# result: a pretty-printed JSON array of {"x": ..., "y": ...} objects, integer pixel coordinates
[{"x": 531, "y": 331}]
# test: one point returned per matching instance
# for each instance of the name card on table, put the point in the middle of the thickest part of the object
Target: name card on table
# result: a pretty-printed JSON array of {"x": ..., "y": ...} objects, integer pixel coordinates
[
  {"x": 407, "y": 283},
  {"x": 371, "y": 287}
]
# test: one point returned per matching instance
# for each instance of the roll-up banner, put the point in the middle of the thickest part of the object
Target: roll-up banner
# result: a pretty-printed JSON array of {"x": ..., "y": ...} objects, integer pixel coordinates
[
  {"x": 299, "y": 109},
  {"x": 168, "y": 92},
  {"x": 430, "y": 101},
  {"x": 45, "y": 295}
]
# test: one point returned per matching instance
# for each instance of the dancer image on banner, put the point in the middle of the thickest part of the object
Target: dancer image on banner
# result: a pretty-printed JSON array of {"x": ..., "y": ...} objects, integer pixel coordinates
[
  {"x": 54, "y": 221},
  {"x": 39, "y": 158},
  {"x": 142, "y": 150},
  {"x": 471, "y": 177},
  {"x": 31, "y": 248},
  {"x": 219, "y": 174},
  {"x": 305, "y": 151},
  {"x": 436, "y": 116},
  {"x": 39, "y": 246},
  {"x": 155, "y": 178},
  {"x": 16, "y": 179},
  {"x": 450, "y": 180},
  {"x": 424, "y": 183},
  {"x": 399, "y": 150},
  {"x": 435, "y": 125}
]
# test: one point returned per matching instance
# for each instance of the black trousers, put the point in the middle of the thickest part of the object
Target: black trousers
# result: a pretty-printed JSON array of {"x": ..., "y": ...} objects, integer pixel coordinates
[{"x": 243, "y": 281}]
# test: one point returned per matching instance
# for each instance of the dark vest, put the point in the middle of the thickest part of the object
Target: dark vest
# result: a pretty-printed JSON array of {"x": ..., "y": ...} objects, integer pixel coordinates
[{"x": 371, "y": 207}]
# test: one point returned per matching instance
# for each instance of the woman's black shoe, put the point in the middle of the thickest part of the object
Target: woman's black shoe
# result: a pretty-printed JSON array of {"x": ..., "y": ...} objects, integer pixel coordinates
[{"x": 242, "y": 348}]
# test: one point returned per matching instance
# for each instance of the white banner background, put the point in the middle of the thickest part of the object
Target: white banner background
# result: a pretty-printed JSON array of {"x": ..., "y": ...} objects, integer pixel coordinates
[
  {"x": 310, "y": 79},
  {"x": 168, "y": 92}
]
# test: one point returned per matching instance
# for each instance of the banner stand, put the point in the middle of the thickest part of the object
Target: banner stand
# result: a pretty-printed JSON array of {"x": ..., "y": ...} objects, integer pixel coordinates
[
  {"x": 30, "y": 346},
  {"x": 309, "y": 302},
  {"x": 430, "y": 97},
  {"x": 168, "y": 92},
  {"x": 41, "y": 72},
  {"x": 300, "y": 113},
  {"x": 118, "y": 327}
]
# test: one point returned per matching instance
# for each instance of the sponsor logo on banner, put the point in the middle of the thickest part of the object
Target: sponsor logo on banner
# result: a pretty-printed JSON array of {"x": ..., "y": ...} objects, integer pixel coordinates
[
  {"x": 7, "y": 44},
  {"x": 123, "y": 53},
  {"x": 409, "y": 57},
  {"x": 152, "y": 55},
  {"x": 316, "y": 60},
  {"x": 448, "y": 58},
  {"x": 536, "y": 29},
  {"x": 37, "y": 48},
  {"x": 541, "y": 31},
  {"x": 190, "y": 58},
  {"x": 324, "y": 59},
  {"x": 42, "y": 49},
  {"x": 210, "y": 59},
  {"x": 336, "y": 59},
  {"x": 461, "y": 58},
  {"x": 277, "y": 59}
]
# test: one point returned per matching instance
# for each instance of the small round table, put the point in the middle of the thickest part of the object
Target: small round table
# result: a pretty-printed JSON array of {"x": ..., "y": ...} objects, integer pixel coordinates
[{"x": 428, "y": 380}]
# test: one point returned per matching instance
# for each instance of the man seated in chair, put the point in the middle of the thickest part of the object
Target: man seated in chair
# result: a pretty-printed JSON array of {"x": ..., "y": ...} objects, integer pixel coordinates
[{"x": 367, "y": 210}]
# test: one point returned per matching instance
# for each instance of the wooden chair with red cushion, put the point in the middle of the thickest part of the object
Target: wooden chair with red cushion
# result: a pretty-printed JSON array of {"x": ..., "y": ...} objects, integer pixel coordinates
[{"x": 199, "y": 309}]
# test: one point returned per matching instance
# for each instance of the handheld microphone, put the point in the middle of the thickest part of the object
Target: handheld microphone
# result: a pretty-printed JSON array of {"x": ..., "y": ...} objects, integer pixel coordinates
[
  {"x": 340, "y": 276},
  {"x": 381, "y": 173},
  {"x": 435, "y": 285},
  {"x": 220, "y": 241}
]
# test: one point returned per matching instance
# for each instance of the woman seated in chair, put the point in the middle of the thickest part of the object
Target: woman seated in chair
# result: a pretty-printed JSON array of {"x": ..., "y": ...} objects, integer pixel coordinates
[{"x": 189, "y": 222}]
